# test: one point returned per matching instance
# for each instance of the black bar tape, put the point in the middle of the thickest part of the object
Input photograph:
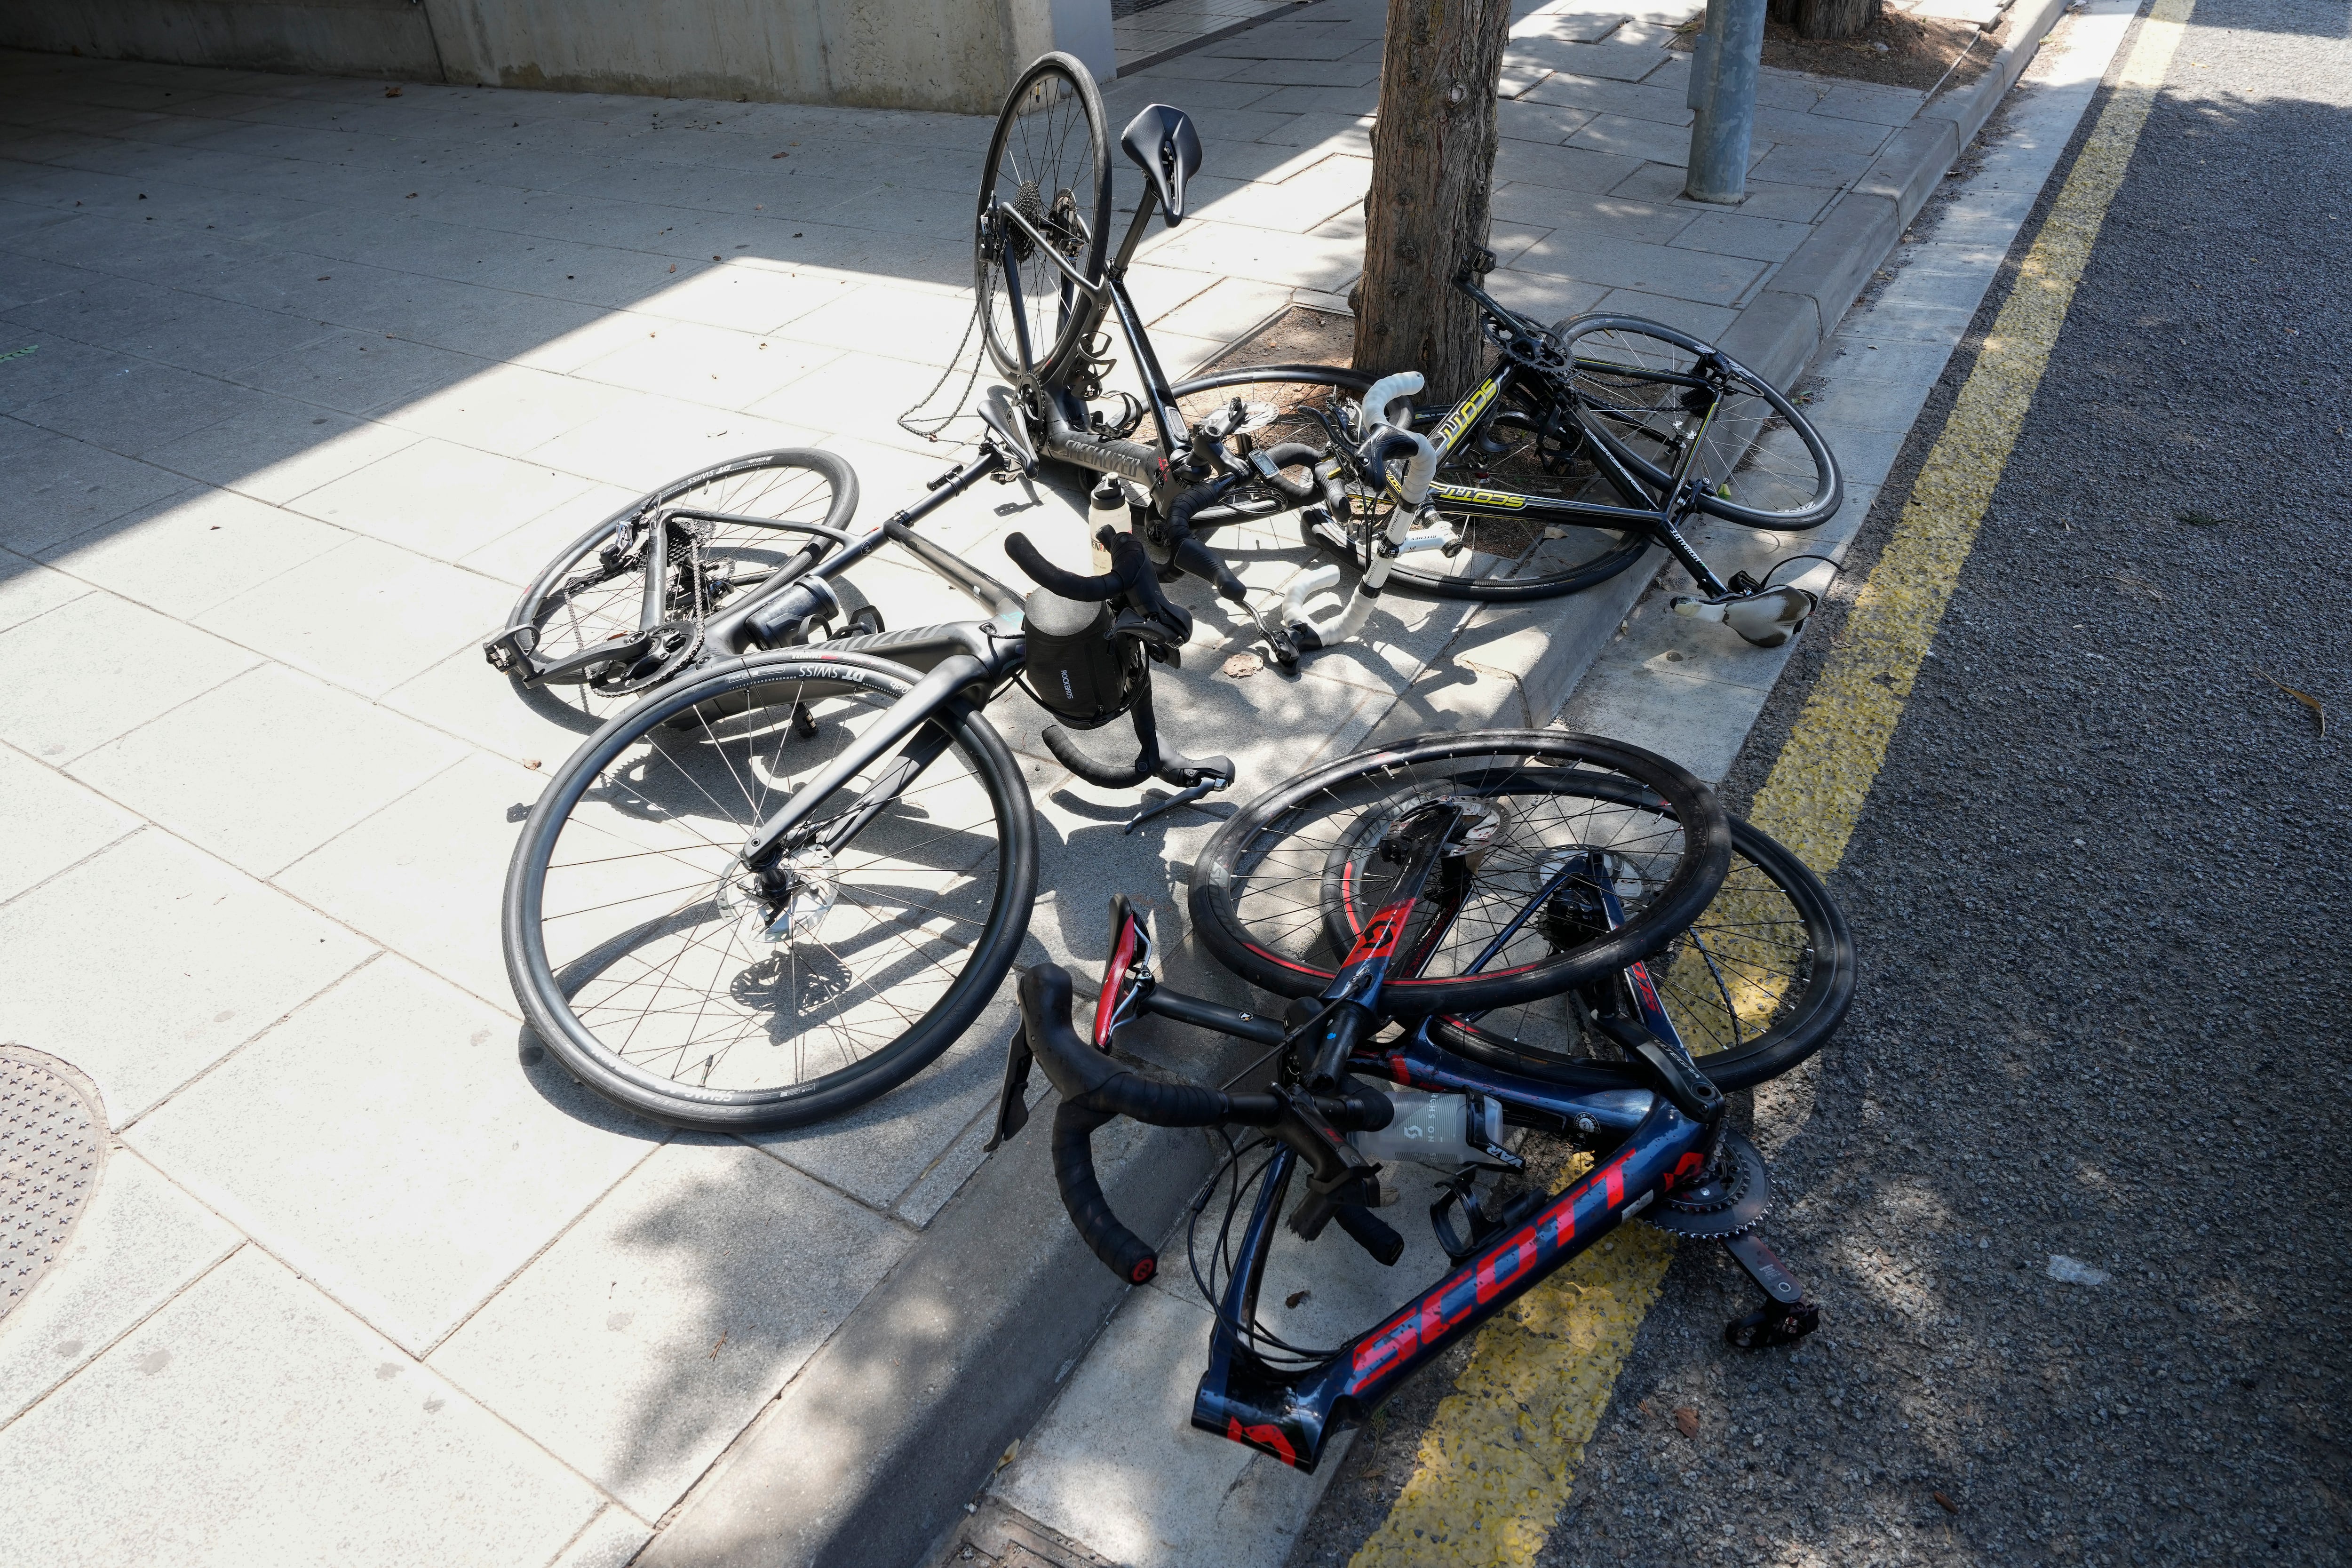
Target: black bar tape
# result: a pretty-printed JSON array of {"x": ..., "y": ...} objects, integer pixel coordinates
[{"x": 1121, "y": 1251}]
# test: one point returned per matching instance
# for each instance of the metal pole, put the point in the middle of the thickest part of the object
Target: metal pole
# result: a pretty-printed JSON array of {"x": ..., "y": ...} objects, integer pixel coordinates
[{"x": 1723, "y": 90}]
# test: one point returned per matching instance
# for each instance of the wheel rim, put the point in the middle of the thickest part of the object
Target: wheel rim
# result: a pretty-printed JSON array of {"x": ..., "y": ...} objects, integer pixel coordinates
[
  {"x": 1047, "y": 160},
  {"x": 638, "y": 935},
  {"x": 1630, "y": 379}
]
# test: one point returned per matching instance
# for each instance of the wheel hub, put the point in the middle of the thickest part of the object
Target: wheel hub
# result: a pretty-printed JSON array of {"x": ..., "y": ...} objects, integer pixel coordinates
[{"x": 775, "y": 908}]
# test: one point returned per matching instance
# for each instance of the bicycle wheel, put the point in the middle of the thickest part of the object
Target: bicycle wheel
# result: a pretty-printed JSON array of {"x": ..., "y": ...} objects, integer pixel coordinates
[
  {"x": 1638, "y": 385},
  {"x": 651, "y": 963},
  {"x": 1282, "y": 889},
  {"x": 587, "y": 609},
  {"x": 1050, "y": 162},
  {"x": 1501, "y": 559},
  {"x": 1754, "y": 985}
]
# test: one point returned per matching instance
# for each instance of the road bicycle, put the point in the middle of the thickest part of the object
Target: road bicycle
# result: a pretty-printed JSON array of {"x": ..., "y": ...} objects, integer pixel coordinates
[
  {"x": 1488, "y": 870},
  {"x": 783, "y": 881},
  {"x": 796, "y": 869},
  {"x": 1587, "y": 444}
]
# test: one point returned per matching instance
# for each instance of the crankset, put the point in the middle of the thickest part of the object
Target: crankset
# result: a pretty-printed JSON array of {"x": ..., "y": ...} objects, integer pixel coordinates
[{"x": 1725, "y": 1205}]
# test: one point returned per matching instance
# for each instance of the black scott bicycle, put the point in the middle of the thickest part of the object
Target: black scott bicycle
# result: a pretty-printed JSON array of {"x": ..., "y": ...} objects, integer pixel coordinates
[{"x": 1455, "y": 874}]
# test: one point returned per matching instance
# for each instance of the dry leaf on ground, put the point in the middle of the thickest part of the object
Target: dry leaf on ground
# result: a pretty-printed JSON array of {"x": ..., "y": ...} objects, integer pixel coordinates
[
  {"x": 1686, "y": 1421},
  {"x": 2305, "y": 698}
]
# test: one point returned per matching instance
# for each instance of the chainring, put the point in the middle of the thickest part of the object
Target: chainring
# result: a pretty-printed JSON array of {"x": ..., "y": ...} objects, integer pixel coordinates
[
  {"x": 668, "y": 648},
  {"x": 1730, "y": 1201}
]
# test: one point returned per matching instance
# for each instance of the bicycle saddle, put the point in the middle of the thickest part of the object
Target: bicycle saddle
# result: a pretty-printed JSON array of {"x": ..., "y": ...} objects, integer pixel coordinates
[{"x": 1164, "y": 145}]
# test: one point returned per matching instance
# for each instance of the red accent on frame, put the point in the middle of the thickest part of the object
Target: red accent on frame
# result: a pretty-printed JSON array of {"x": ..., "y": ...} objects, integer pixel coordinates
[
  {"x": 1123, "y": 954},
  {"x": 1379, "y": 938},
  {"x": 1267, "y": 1439}
]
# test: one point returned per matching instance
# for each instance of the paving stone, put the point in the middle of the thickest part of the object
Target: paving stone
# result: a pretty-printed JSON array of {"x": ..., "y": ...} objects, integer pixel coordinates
[
  {"x": 193, "y": 551},
  {"x": 1118, "y": 1465},
  {"x": 1787, "y": 164},
  {"x": 425, "y": 876},
  {"x": 1735, "y": 234},
  {"x": 1682, "y": 274},
  {"x": 53, "y": 487},
  {"x": 382, "y": 1142},
  {"x": 260, "y": 771},
  {"x": 220, "y": 956},
  {"x": 133, "y": 407},
  {"x": 28, "y": 590},
  {"x": 1566, "y": 168},
  {"x": 360, "y": 373},
  {"x": 99, "y": 665},
  {"x": 277, "y": 449},
  {"x": 647, "y": 1337},
  {"x": 313, "y": 1430},
  {"x": 366, "y": 614},
  {"x": 141, "y": 1241},
  {"x": 611, "y": 1540},
  {"x": 439, "y": 499}
]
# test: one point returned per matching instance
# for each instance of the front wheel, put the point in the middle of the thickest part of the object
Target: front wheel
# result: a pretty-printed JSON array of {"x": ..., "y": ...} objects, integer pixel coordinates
[{"x": 671, "y": 979}]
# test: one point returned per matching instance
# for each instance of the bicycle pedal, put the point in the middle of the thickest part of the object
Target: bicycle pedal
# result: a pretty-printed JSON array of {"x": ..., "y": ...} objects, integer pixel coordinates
[{"x": 1772, "y": 1325}]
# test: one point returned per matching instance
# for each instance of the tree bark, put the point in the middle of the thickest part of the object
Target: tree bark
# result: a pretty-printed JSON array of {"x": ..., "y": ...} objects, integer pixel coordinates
[
  {"x": 1432, "y": 173},
  {"x": 1834, "y": 19}
]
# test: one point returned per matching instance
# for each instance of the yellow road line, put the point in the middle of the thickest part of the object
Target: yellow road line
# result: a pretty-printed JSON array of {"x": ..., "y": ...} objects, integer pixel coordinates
[{"x": 1497, "y": 1461}]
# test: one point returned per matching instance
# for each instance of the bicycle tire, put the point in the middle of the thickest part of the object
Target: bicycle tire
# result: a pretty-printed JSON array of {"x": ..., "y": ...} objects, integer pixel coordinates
[
  {"x": 1033, "y": 132},
  {"x": 581, "y": 599},
  {"x": 1620, "y": 384},
  {"x": 1559, "y": 566},
  {"x": 1681, "y": 843},
  {"x": 1738, "y": 963},
  {"x": 653, "y": 879}
]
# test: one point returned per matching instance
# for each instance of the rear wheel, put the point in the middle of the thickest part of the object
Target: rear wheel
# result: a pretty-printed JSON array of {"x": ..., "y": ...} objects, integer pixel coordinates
[
  {"x": 1753, "y": 985},
  {"x": 1640, "y": 385},
  {"x": 587, "y": 611},
  {"x": 1049, "y": 161},
  {"x": 671, "y": 978},
  {"x": 1282, "y": 891}
]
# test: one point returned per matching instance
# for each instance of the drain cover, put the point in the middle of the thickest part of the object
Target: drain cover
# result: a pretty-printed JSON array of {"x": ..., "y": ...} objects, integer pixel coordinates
[{"x": 52, "y": 1148}]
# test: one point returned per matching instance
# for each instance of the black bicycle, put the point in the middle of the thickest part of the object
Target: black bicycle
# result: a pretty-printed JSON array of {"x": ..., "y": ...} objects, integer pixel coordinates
[
  {"x": 782, "y": 883},
  {"x": 1466, "y": 873}
]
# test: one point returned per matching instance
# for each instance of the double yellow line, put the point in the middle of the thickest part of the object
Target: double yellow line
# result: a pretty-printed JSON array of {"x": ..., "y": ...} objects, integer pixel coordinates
[{"x": 1499, "y": 1459}]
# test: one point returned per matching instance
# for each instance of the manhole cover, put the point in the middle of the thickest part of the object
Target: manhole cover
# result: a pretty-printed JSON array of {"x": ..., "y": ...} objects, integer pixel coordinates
[{"x": 52, "y": 1148}]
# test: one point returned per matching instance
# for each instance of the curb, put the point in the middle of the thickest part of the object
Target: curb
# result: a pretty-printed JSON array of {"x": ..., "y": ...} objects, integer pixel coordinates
[
  {"x": 875, "y": 1449},
  {"x": 1779, "y": 333}
]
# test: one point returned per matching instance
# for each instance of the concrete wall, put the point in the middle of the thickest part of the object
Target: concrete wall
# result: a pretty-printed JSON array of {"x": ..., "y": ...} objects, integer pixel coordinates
[{"x": 953, "y": 55}]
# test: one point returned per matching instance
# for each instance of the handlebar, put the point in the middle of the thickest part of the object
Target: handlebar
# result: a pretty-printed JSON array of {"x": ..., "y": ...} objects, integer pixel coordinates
[
  {"x": 1096, "y": 1087},
  {"x": 1131, "y": 575}
]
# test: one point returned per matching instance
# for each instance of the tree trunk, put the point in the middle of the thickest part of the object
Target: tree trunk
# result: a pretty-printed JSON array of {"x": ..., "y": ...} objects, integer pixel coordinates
[
  {"x": 1834, "y": 19},
  {"x": 1781, "y": 11},
  {"x": 1433, "y": 171}
]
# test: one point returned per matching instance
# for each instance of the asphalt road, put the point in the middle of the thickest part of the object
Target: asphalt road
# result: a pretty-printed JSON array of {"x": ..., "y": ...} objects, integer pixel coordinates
[{"x": 2099, "y": 891}]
